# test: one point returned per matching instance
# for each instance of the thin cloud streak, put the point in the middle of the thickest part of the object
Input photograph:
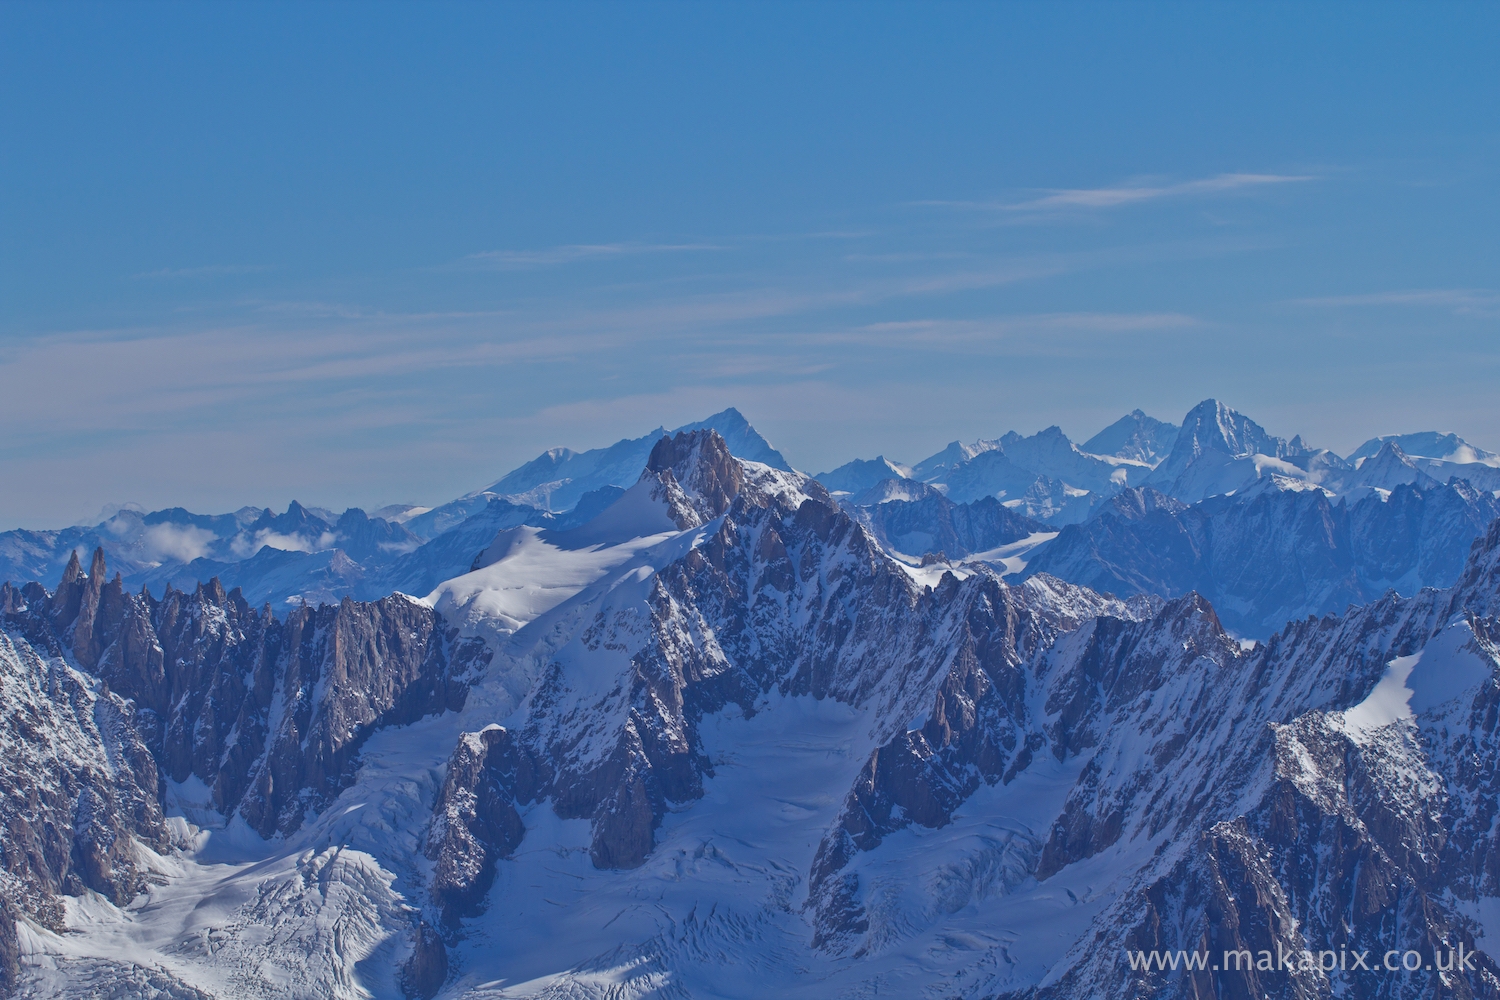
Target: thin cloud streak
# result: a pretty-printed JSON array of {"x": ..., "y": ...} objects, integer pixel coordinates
[
  {"x": 1460, "y": 301},
  {"x": 1062, "y": 199},
  {"x": 1036, "y": 335},
  {"x": 206, "y": 271},
  {"x": 515, "y": 260}
]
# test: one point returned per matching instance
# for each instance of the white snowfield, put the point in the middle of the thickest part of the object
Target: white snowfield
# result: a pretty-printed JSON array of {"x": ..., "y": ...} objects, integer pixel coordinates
[
  {"x": 719, "y": 908},
  {"x": 1440, "y": 673}
]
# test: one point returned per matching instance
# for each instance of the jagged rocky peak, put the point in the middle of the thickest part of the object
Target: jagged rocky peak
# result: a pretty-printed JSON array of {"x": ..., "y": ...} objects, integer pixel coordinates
[
  {"x": 475, "y": 821},
  {"x": 895, "y": 491},
  {"x": 862, "y": 474},
  {"x": 269, "y": 714},
  {"x": 1385, "y": 470},
  {"x": 1138, "y": 501},
  {"x": 743, "y": 439},
  {"x": 1214, "y": 426},
  {"x": 79, "y": 793},
  {"x": 955, "y": 454},
  {"x": 1478, "y": 588},
  {"x": 700, "y": 463},
  {"x": 696, "y": 476},
  {"x": 1135, "y": 436}
]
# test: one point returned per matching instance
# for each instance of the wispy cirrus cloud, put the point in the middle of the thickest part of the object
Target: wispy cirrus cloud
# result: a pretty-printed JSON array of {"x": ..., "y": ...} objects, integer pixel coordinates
[
  {"x": 1115, "y": 196},
  {"x": 572, "y": 253},
  {"x": 206, "y": 271},
  {"x": 1021, "y": 335},
  {"x": 1460, "y": 301}
]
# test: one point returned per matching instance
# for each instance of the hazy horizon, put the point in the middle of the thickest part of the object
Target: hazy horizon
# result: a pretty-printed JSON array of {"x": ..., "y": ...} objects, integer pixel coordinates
[{"x": 256, "y": 252}]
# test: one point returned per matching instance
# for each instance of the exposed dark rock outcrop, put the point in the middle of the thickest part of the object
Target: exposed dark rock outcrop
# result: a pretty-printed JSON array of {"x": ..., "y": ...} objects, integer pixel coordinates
[
  {"x": 787, "y": 593},
  {"x": 424, "y": 972},
  {"x": 269, "y": 713},
  {"x": 1290, "y": 825},
  {"x": 696, "y": 474},
  {"x": 78, "y": 790},
  {"x": 475, "y": 820}
]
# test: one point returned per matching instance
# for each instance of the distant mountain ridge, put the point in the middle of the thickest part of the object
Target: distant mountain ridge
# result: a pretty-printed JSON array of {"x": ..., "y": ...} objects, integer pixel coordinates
[
  {"x": 719, "y": 729},
  {"x": 1215, "y": 451},
  {"x": 1044, "y": 480},
  {"x": 306, "y": 554}
]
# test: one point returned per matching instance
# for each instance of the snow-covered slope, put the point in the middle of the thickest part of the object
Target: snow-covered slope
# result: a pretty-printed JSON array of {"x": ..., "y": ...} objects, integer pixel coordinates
[
  {"x": 862, "y": 475},
  {"x": 716, "y": 741},
  {"x": 1135, "y": 436},
  {"x": 1281, "y": 552},
  {"x": 558, "y": 478},
  {"x": 1429, "y": 445}
]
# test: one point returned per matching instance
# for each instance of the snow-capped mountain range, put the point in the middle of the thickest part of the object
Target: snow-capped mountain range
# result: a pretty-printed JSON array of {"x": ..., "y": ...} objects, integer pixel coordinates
[{"x": 671, "y": 719}]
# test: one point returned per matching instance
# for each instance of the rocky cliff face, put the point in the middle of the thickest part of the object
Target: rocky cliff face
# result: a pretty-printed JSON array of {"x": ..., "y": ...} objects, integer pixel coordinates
[
  {"x": 106, "y": 692},
  {"x": 268, "y": 712},
  {"x": 475, "y": 822},
  {"x": 1276, "y": 556},
  {"x": 726, "y": 738},
  {"x": 937, "y": 524},
  {"x": 783, "y": 592},
  {"x": 1218, "y": 790},
  {"x": 78, "y": 793},
  {"x": 1324, "y": 817}
]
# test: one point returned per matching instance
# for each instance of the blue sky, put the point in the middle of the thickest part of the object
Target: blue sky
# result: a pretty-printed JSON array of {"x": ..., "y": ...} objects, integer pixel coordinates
[{"x": 358, "y": 254}]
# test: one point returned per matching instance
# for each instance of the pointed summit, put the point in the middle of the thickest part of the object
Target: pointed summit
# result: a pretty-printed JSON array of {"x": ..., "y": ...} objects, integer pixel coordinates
[
  {"x": 936, "y": 466},
  {"x": 559, "y": 478},
  {"x": 743, "y": 440},
  {"x": 862, "y": 474},
  {"x": 1134, "y": 436},
  {"x": 72, "y": 571},
  {"x": 1429, "y": 445},
  {"x": 1385, "y": 470},
  {"x": 1218, "y": 444},
  {"x": 700, "y": 464},
  {"x": 1213, "y": 426}
]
